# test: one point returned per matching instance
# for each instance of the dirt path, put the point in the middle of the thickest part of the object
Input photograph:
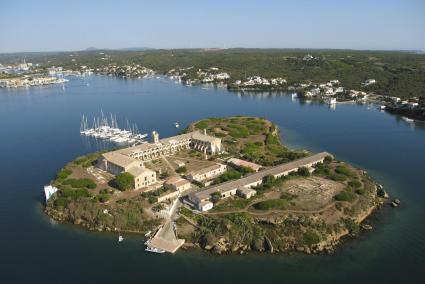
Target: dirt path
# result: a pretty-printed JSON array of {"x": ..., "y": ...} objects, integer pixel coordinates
[
  {"x": 170, "y": 166},
  {"x": 270, "y": 212}
]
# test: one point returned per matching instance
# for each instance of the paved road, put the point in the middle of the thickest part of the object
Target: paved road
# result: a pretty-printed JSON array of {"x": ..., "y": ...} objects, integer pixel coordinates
[{"x": 167, "y": 231}]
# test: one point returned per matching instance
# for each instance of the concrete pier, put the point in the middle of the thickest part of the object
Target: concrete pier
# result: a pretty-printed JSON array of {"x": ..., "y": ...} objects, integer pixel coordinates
[{"x": 165, "y": 239}]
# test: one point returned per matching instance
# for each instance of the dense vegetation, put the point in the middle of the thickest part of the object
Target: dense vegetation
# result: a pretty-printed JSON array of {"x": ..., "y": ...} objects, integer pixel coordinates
[
  {"x": 79, "y": 200},
  {"x": 255, "y": 139},
  {"x": 80, "y": 183},
  {"x": 124, "y": 181}
]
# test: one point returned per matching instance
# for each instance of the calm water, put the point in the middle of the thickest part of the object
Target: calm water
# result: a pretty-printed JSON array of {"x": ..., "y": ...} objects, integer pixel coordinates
[{"x": 40, "y": 132}]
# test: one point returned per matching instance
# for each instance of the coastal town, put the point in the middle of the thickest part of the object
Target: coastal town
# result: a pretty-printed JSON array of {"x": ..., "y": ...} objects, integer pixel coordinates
[
  {"x": 331, "y": 92},
  {"x": 26, "y": 74},
  {"x": 173, "y": 185}
]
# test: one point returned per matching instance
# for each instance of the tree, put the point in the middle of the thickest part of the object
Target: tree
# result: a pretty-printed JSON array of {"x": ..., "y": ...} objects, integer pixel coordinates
[
  {"x": 303, "y": 171},
  {"x": 328, "y": 159},
  {"x": 181, "y": 170},
  {"x": 215, "y": 197},
  {"x": 124, "y": 181},
  {"x": 152, "y": 199}
]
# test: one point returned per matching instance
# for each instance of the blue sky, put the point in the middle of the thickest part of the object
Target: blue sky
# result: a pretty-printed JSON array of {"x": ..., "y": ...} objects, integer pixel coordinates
[{"x": 39, "y": 25}]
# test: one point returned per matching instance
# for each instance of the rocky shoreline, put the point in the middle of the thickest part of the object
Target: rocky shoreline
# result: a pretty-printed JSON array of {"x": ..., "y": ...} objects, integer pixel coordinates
[{"x": 327, "y": 246}]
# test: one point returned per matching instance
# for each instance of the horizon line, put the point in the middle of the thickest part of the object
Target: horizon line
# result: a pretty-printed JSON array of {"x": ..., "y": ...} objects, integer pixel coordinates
[{"x": 134, "y": 49}]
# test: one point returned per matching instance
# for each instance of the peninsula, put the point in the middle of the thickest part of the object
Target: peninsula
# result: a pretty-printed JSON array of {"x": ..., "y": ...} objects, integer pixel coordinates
[{"x": 224, "y": 185}]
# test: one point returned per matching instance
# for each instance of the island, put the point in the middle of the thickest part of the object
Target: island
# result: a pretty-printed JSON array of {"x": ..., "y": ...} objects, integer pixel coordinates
[{"x": 225, "y": 185}]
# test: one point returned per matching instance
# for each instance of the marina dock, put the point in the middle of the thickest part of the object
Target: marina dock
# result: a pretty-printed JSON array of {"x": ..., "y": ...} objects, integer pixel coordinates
[{"x": 165, "y": 239}]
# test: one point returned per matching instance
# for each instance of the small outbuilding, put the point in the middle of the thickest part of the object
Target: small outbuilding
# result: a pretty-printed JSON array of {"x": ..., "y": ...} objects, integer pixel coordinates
[
  {"x": 205, "y": 206},
  {"x": 245, "y": 164},
  {"x": 178, "y": 184},
  {"x": 246, "y": 192}
]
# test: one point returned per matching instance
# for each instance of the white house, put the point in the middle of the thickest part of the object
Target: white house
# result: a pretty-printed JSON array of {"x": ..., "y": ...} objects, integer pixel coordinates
[
  {"x": 205, "y": 206},
  {"x": 49, "y": 191}
]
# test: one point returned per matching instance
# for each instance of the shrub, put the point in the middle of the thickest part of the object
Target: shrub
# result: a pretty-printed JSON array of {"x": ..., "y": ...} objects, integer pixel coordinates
[
  {"x": 337, "y": 177},
  {"x": 239, "y": 133},
  {"x": 360, "y": 191},
  {"x": 303, "y": 171},
  {"x": 343, "y": 170},
  {"x": 181, "y": 170},
  {"x": 164, "y": 175},
  {"x": 80, "y": 183},
  {"x": 158, "y": 207},
  {"x": 272, "y": 139},
  {"x": 287, "y": 196},
  {"x": 124, "y": 181},
  {"x": 345, "y": 196},
  {"x": 252, "y": 150},
  {"x": 103, "y": 197},
  {"x": 74, "y": 193},
  {"x": 276, "y": 150},
  {"x": 63, "y": 174},
  {"x": 354, "y": 183},
  {"x": 352, "y": 227},
  {"x": 310, "y": 237},
  {"x": 201, "y": 125},
  {"x": 81, "y": 160},
  {"x": 219, "y": 134},
  {"x": 152, "y": 199},
  {"x": 271, "y": 204},
  {"x": 215, "y": 197},
  {"x": 269, "y": 179},
  {"x": 60, "y": 202},
  {"x": 229, "y": 175},
  {"x": 243, "y": 170},
  {"x": 328, "y": 159}
]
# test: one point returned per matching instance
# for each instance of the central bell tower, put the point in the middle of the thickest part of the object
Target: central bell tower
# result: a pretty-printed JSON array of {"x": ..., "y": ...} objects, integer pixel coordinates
[{"x": 155, "y": 137}]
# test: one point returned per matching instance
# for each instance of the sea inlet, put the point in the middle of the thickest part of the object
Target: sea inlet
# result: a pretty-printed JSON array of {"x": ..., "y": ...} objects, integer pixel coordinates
[{"x": 39, "y": 128}]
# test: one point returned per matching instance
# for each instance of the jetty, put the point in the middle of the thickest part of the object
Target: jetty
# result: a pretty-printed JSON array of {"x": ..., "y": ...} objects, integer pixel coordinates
[{"x": 165, "y": 238}]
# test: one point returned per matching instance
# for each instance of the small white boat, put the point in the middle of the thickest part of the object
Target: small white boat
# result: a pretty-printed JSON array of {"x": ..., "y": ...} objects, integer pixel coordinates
[
  {"x": 408, "y": 119},
  {"x": 141, "y": 136},
  {"x": 121, "y": 140},
  {"x": 331, "y": 101},
  {"x": 120, "y": 238},
  {"x": 176, "y": 124},
  {"x": 154, "y": 250}
]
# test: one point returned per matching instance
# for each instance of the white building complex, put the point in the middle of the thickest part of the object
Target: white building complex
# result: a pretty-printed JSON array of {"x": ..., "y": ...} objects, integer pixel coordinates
[
  {"x": 131, "y": 159},
  {"x": 201, "y": 199},
  {"x": 206, "y": 174}
]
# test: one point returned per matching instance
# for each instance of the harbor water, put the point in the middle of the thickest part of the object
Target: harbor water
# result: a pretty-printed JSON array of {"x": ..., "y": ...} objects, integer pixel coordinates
[{"x": 40, "y": 127}]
